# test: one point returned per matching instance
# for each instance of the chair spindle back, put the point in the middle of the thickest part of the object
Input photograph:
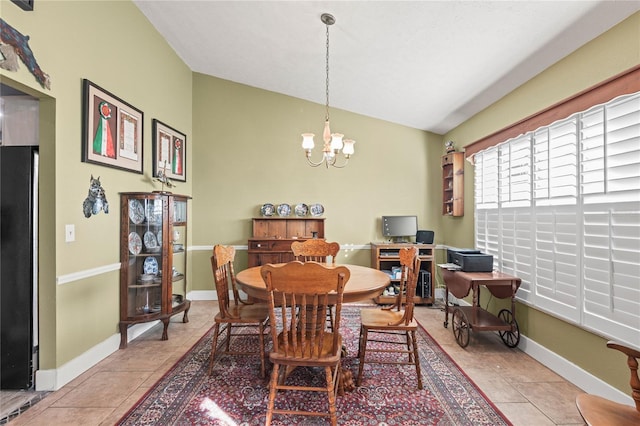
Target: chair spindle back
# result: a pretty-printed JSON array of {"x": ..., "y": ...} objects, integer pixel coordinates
[
  {"x": 224, "y": 277},
  {"x": 410, "y": 263},
  {"x": 305, "y": 289},
  {"x": 315, "y": 250}
]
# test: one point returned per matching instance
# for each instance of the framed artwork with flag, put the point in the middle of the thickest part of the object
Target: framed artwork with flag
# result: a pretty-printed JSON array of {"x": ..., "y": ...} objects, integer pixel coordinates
[
  {"x": 169, "y": 152},
  {"x": 111, "y": 130}
]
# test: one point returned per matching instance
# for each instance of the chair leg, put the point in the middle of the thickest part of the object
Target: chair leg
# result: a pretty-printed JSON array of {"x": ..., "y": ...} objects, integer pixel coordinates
[
  {"x": 407, "y": 338},
  {"x": 331, "y": 393},
  {"x": 272, "y": 393},
  {"x": 338, "y": 384},
  {"x": 214, "y": 346},
  {"x": 261, "y": 337},
  {"x": 416, "y": 358},
  {"x": 228, "y": 337},
  {"x": 359, "y": 343},
  {"x": 362, "y": 349}
]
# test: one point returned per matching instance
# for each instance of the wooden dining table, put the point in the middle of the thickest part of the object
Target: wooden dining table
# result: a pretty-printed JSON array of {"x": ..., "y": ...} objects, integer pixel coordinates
[{"x": 364, "y": 284}]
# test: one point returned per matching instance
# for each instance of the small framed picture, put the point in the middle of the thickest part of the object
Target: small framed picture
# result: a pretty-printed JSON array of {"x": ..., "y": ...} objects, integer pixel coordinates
[
  {"x": 169, "y": 152},
  {"x": 111, "y": 130}
]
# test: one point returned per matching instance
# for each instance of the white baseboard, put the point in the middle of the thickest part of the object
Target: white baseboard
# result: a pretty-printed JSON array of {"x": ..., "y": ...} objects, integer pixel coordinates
[
  {"x": 51, "y": 380},
  {"x": 568, "y": 370},
  {"x": 202, "y": 295},
  {"x": 571, "y": 372}
]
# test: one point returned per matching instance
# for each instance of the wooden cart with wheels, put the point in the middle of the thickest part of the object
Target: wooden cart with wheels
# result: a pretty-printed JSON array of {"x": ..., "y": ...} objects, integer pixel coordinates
[{"x": 467, "y": 318}]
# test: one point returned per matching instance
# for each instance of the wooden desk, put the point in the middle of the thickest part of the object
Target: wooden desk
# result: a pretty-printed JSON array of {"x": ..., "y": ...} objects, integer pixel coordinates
[{"x": 364, "y": 283}]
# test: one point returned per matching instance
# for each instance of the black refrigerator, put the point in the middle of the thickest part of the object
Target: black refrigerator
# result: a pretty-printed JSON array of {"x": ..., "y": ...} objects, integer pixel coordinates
[{"x": 18, "y": 265}]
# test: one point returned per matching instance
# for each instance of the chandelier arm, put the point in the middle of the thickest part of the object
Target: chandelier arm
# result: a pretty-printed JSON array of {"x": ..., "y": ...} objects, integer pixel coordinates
[
  {"x": 346, "y": 161},
  {"x": 313, "y": 163}
]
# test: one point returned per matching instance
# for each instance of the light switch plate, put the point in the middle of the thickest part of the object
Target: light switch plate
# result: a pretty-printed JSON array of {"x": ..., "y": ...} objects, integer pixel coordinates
[{"x": 69, "y": 233}]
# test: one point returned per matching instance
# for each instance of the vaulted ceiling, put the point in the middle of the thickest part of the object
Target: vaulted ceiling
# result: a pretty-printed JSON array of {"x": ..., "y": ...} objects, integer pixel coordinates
[{"x": 425, "y": 64}]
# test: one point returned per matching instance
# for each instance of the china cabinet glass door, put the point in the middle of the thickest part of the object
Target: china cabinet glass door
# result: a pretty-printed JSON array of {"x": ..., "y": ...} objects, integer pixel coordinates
[{"x": 144, "y": 280}]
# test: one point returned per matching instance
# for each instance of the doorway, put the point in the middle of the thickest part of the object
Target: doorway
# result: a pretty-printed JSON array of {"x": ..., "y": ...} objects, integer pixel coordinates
[{"x": 19, "y": 170}]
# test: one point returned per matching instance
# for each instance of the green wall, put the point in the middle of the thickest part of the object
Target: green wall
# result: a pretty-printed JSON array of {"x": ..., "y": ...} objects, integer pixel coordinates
[
  {"x": 112, "y": 44},
  {"x": 613, "y": 52},
  {"x": 249, "y": 153}
]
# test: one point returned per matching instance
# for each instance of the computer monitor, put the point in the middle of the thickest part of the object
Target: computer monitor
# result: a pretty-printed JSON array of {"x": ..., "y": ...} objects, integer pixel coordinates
[{"x": 399, "y": 228}]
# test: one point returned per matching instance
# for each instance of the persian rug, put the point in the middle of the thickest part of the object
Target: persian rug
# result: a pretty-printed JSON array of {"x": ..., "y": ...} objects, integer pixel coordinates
[{"x": 235, "y": 394}]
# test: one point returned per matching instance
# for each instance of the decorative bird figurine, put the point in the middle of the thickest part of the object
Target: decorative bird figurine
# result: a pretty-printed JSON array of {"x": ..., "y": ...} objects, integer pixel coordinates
[
  {"x": 163, "y": 179},
  {"x": 14, "y": 45}
]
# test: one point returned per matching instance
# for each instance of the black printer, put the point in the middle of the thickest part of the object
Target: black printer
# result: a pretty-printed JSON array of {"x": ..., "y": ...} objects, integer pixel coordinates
[{"x": 470, "y": 260}]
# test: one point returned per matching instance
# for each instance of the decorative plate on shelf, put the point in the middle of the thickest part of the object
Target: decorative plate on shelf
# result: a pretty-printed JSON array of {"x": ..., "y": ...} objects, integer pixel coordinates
[
  {"x": 267, "y": 209},
  {"x": 284, "y": 210},
  {"x": 136, "y": 211},
  {"x": 135, "y": 243},
  {"x": 301, "y": 210},
  {"x": 146, "y": 278},
  {"x": 316, "y": 210},
  {"x": 150, "y": 265},
  {"x": 154, "y": 214},
  {"x": 150, "y": 241},
  {"x": 159, "y": 238}
]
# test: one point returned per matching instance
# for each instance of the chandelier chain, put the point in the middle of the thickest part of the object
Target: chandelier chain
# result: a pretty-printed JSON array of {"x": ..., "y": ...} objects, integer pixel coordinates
[{"x": 327, "y": 69}]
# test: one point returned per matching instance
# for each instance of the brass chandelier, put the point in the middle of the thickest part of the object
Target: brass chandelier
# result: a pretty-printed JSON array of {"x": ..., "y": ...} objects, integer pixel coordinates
[{"x": 333, "y": 142}]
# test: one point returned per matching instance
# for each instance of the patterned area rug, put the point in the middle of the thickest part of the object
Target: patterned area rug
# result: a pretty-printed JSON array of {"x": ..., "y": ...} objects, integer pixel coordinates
[{"x": 236, "y": 395}]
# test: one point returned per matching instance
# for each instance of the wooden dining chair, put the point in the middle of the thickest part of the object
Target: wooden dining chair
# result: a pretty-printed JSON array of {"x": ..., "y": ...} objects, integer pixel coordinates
[
  {"x": 235, "y": 313},
  {"x": 304, "y": 339},
  {"x": 596, "y": 410},
  {"x": 316, "y": 250},
  {"x": 393, "y": 328}
]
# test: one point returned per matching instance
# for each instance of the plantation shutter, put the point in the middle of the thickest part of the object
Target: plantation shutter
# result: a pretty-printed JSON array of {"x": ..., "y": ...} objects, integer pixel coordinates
[
  {"x": 555, "y": 225},
  {"x": 559, "y": 207},
  {"x": 486, "y": 201},
  {"x": 516, "y": 249},
  {"x": 611, "y": 198}
]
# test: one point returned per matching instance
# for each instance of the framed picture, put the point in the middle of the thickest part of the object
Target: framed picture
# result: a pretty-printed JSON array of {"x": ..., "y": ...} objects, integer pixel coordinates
[
  {"x": 169, "y": 152},
  {"x": 111, "y": 130},
  {"x": 24, "y": 4}
]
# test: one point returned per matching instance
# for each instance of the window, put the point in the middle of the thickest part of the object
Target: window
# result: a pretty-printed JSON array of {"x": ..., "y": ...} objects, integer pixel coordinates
[{"x": 559, "y": 207}]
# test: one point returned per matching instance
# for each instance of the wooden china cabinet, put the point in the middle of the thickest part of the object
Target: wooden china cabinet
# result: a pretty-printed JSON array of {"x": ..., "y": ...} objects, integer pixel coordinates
[
  {"x": 272, "y": 237},
  {"x": 153, "y": 258}
]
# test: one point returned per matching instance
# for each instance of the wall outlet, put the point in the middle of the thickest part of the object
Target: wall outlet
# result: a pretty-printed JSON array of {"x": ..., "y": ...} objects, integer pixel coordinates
[{"x": 69, "y": 233}]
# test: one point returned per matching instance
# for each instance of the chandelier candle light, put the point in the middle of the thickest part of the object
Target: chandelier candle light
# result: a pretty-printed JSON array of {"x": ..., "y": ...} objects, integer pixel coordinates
[{"x": 333, "y": 142}]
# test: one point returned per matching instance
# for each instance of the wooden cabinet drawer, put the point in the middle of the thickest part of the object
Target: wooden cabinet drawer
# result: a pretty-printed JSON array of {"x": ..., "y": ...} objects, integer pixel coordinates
[
  {"x": 259, "y": 245},
  {"x": 447, "y": 159},
  {"x": 270, "y": 245},
  {"x": 281, "y": 245}
]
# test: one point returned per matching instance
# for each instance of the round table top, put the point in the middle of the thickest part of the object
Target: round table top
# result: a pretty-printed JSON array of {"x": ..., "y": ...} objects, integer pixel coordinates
[{"x": 364, "y": 283}]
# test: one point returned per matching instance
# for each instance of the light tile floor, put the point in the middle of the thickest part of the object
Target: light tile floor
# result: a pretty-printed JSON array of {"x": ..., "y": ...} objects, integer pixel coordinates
[{"x": 524, "y": 390}]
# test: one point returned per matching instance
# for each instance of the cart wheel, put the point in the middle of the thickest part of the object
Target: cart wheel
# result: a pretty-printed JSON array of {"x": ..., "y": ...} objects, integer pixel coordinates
[
  {"x": 460, "y": 326},
  {"x": 511, "y": 338}
]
